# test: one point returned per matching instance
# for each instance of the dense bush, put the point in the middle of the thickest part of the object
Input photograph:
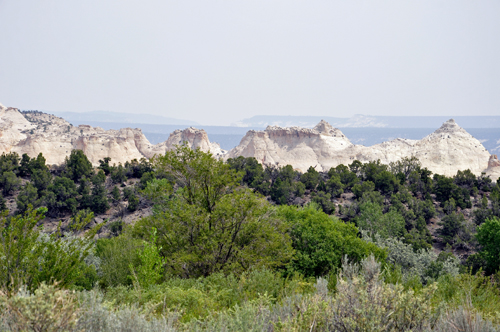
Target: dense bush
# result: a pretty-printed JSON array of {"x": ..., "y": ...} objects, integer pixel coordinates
[
  {"x": 488, "y": 235},
  {"x": 78, "y": 166},
  {"x": 320, "y": 241},
  {"x": 30, "y": 257},
  {"x": 207, "y": 225}
]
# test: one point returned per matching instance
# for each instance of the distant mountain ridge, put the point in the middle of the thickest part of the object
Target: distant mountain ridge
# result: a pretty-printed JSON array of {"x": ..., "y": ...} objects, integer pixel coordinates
[
  {"x": 77, "y": 118},
  {"x": 361, "y": 121}
]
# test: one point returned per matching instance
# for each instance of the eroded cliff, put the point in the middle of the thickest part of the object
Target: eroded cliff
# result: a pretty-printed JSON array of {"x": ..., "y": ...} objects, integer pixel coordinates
[
  {"x": 36, "y": 132},
  {"x": 447, "y": 150}
]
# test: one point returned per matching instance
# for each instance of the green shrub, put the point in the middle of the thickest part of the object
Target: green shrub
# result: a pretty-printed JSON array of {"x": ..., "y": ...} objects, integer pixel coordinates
[
  {"x": 47, "y": 309},
  {"x": 78, "y": 166},
  {"x": 9, "y": 182},
  {"x": 116, "y": 255},
  {"x": 372, "y": 219},
  {"x": 488, "y": 236},
  {"x": 150, "y": 269},
  {"x": 320, "y": 241}
]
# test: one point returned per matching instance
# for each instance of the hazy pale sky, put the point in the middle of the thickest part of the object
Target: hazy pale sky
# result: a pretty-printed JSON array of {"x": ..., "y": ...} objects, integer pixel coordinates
[{"x": 216, "y": 62}]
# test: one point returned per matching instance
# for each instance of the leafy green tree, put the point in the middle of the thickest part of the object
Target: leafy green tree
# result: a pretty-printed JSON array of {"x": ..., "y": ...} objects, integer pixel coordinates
[
  {"x": 136, "y": 169},
  {"x": 310, "y": 178},
  {"x": 443, "y": 187},
  {"x": 284, "y": 186},
  {"x": 423, "y": 209},
  {"x": 146, "y": 177},
  {"x": 282, "y": 191},
  {"x": 451, "y": 227},
  {"x": 488, "y": 236},
  {"x": 254, "y": 175},
  {"x": 320, "y": 242},
  {"x": 203, "y": 178},
  {"x": 118, "y": 174},
  {"x": 465, "y": 179},
  {"x": 24, "y": 169},
  {"x": 209, "y": 224},
  {"x": 99, "y": 199},
  {"x": 85, "y": 199},
  {"x": 405, "y": 166},
  {"x": 9, "y": 182},
  {"x": 347, "y": 178},
  {"x": 99, "y": 178},
  {"x": 355, "y": 167},
  {"x": 41, "y": 179},
  {"x": 372, "y": 169},
  {"x": 334, "y": 185},
  {"x": 133, "y": 202},
  {"x": 420, "y": 182},
  {"x": 104, "y": 165},
  {"x": 9, "y": 162},
  {"x": 37, "y": 163},
  {"x": 61, "y": 196},
  {"x": 324, "y": 201},
  {"x": 78, "y": 165},
  {"x": 372, "y": 197},
  {"x": 359, "y": 189},
  {"x": 27, "y": 196},
  {"x": 386, "y": 182},
  {"x": 373, "y": 220},
  {"x": 81, "y": 220},
  {"x": 115, "y": 194}
]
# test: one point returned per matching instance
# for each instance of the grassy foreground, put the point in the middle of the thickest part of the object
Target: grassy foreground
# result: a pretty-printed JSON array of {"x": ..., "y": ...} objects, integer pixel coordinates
[{"x": 359, "y": 299}]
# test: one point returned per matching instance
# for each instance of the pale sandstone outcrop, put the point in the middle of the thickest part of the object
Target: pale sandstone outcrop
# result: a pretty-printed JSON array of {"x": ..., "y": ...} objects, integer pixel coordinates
[
  {"x": 445, "y": 151},
  {"x": 12, "y": 128},
  {"x": 54, "y": 137},
  {"x": 299, "y": 147},
  {"x": 493, "y": 170},
  {"x": 192, "y": 137}
]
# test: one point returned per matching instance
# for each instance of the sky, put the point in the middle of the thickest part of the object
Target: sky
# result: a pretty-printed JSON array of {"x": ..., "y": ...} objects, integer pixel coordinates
[{"x": 216, "y": 62}]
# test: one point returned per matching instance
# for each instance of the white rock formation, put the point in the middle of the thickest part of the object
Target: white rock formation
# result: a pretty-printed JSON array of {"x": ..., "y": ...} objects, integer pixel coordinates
[
  {"x": 493, "y": 170},
  {"x": 447, "y": 150},
  {"x": 194, "y": 138},
  {"x": 54, "y": 137},
  {"x": 299, "y": 147},
  {"x": 12, "y": 128}
]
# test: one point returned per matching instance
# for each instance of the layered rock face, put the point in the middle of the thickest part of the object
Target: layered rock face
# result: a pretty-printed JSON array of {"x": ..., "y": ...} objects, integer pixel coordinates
[
  {"x": 35, "y": 132},
  {"x": 447, "y": 150}
]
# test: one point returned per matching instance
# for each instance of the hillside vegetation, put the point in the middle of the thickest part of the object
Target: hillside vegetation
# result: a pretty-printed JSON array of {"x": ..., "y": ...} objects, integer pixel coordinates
[{"x": 187, "y": 242}]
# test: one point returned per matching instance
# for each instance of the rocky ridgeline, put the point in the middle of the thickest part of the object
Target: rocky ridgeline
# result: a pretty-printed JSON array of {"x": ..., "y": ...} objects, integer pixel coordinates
[
  {"x": 33, "y": 132},
  {"x": 447, "y": 150}
]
